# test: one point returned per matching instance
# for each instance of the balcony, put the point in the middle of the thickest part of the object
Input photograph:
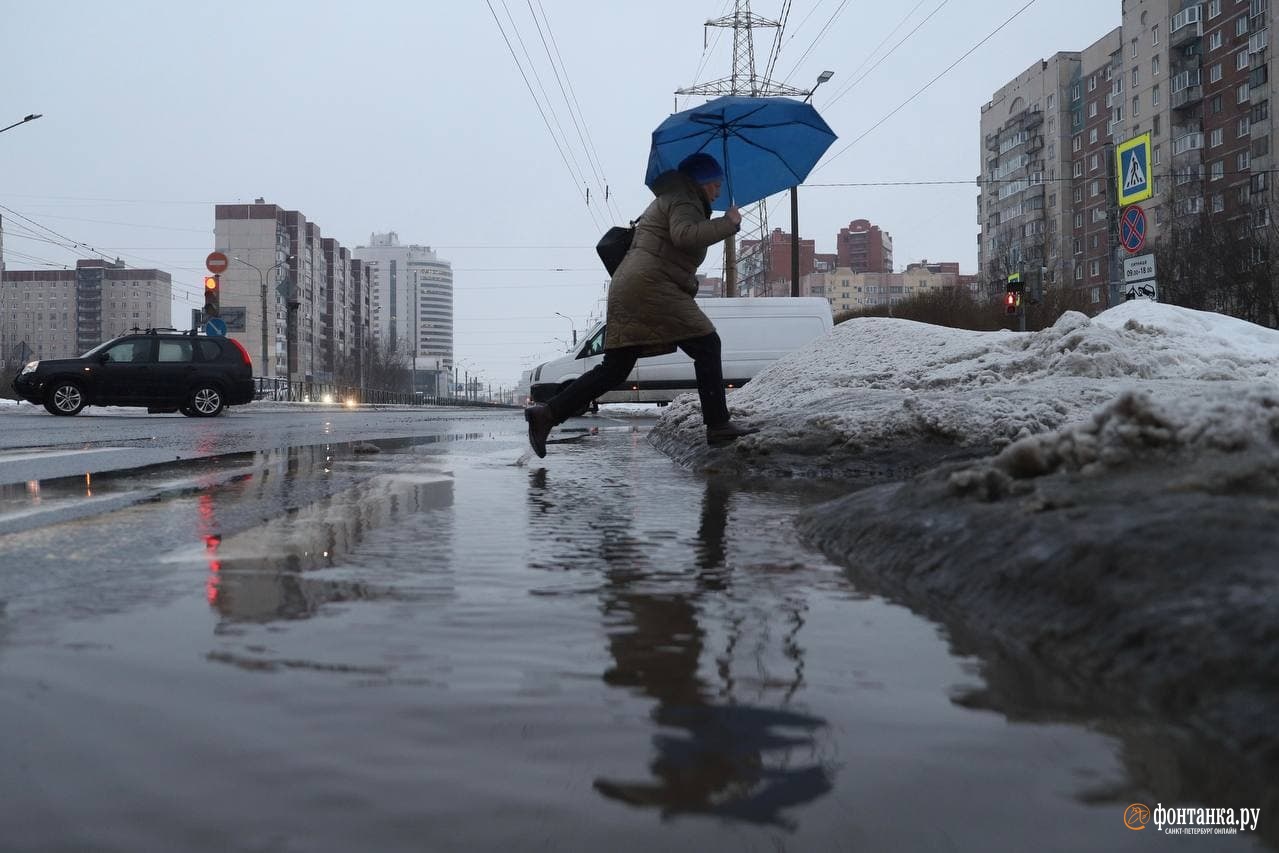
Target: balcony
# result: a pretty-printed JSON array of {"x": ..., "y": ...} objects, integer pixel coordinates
[
  {"x": 1187, "y": 25},
  {"x": 1189, "y": 142},
  {"x": 1258, "y": 42},
  {"x": 1115, "y": 126},
  {"x": 1186, "y": 89}
]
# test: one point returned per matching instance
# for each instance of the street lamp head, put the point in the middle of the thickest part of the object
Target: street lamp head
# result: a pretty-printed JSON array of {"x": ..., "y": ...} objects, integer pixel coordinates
[
  {"x": 33, "y": 116},
  {"x": 824, "y": 76}
]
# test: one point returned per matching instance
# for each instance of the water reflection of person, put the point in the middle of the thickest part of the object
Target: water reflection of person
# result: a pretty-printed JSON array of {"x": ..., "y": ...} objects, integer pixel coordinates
[{"x": 730, "y": 760}]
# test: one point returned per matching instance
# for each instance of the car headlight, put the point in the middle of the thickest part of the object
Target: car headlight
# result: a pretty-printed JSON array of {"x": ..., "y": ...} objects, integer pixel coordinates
[{"x": 30, "y": 368}]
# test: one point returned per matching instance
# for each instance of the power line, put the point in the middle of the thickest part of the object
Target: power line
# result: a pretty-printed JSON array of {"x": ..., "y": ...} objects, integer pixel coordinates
[
  {"x": 929, "y": 84},
  {"x": 777, "y": 43},
  {"x": 852, "y": 83},
  {"x": 515, "y": 58},
  {"x": 820, "y": 35},
  {"x": 588, "y": 144}
]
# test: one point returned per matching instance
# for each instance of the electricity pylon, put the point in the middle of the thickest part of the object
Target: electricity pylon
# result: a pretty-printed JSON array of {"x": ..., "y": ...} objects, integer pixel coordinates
[{"x": 753, "y": 265}]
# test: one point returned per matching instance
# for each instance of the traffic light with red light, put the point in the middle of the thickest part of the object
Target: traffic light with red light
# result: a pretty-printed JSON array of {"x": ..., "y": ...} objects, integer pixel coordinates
[
  {"x": 1012, "y": 299},
  {"x": 212, "y": 295}
]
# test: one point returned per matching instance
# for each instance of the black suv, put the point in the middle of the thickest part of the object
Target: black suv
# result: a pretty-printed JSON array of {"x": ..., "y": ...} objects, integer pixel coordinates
[{"x": 163, "y": 370}]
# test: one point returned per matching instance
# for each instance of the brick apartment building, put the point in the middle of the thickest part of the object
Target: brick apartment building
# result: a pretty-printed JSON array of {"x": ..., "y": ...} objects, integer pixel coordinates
[{"x": 1192, "y": 75}]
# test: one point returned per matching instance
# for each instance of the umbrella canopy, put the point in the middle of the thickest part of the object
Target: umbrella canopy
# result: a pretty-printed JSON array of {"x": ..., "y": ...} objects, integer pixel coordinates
[{"x": 764, "y": 144}]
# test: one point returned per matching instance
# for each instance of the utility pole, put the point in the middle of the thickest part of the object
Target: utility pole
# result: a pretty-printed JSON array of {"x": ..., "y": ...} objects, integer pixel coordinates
[{"x": 744, "y": 80}]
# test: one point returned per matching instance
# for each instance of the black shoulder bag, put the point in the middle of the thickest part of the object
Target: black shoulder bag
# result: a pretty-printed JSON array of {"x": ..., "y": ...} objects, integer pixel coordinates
[{"x": 614, "y": 245}]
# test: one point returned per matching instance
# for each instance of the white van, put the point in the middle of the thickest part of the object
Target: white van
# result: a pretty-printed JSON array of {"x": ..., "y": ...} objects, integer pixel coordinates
[{"x": 755, "y": 333}]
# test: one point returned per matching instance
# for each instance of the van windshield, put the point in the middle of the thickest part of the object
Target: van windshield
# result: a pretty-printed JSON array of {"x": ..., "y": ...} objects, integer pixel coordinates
[{"x": 594, "y": 346}]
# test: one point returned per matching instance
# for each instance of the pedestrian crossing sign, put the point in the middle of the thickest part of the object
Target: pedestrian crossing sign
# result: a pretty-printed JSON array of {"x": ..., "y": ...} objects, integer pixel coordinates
[{"x": 1133, "y": 170}]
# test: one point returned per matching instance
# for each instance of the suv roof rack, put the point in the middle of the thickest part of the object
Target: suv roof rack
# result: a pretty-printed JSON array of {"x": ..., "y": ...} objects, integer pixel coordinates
[{"x": 158, "y": 329}]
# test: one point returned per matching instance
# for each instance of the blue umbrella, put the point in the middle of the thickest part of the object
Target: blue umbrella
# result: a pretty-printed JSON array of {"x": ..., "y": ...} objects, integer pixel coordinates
[{"x": 764, "y": 144}]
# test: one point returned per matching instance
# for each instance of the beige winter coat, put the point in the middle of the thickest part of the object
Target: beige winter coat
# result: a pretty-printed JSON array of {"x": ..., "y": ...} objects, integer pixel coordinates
[{"x": 650, "y": 299}]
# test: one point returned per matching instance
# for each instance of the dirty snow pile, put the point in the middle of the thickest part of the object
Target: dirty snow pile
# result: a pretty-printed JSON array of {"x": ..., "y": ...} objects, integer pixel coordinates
[{"x": 914, "y": 393}]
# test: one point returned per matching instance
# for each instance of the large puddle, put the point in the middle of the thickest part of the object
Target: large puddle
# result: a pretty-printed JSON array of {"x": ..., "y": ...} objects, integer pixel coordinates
[{"x": 438, "y": 648}]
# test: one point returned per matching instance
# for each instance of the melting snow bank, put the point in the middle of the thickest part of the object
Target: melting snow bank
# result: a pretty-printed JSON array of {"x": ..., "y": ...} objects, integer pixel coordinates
[
  {"x": 880, "y": 399},
  {"x": 1135, "y": 552}
]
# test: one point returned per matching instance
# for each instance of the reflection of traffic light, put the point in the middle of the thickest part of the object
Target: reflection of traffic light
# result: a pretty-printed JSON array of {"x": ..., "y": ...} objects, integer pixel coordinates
[{"x": 212, "y": 295}]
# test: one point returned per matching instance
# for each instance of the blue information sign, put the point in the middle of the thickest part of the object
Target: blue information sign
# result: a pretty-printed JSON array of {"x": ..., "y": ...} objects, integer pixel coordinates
[{"x": 215, "y": 327}]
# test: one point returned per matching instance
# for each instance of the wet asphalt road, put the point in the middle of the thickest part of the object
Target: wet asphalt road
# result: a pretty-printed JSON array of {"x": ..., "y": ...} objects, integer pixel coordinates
[{"x": 284, "y": 645}]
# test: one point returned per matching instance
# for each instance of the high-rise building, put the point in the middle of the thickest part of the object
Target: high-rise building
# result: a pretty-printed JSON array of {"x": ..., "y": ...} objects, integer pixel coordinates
[
  {"x": 775, "y": 281},
  {"x": 412, "y": 305},
  {"x": 311, "y": 297},
  {"x": 1192, "y": 75},
  {"x": 864, "y": 247},
  {"x": 63, "y": 313}
]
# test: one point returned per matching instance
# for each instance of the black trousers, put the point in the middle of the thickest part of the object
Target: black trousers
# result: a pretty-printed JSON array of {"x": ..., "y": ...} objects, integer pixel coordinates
[{"x": 617, "y": 365}]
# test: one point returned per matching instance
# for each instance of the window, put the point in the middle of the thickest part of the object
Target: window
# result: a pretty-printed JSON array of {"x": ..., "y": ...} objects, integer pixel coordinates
[
  {"x": 1079, "y": 220},
  {"x": 1242, "y": 160},
  {"x": 1154, "y": 34},
  {"x": 1092, "y": 83},
  {"x": 1261, "y": 146},
  {"x": 1214, "y": 41},
  {"x": 1241, "y": 60},
  {"x": 1077, "y": 143},
  {"x": 1132, "y": 49},
  {"x": 1245, "y": 126},
  {"x": 1079, "y": 194},
  {"x": 1241, "y": 94},
  {"x": 1261, "y": 111},
  {"x": 1157, "y": 155},
  {"x": 1094, "y": 162},
  {"x": 1051, "y": 100},
  {"x": 1214, "y": 8},
  {"x": 1154, "y": 95},
  {"x": 1096, "y": 295},
  {"x": 1218, "y": 171},
  {"x": 1215, "y": 138},
  {"x": 1092, "y": 136},
  {"x": 130, "y": 352},
  {"x": 1092, "y": 109},
  {"x": 1094, "y": 269},
  {"x": 1075, "y": 94},
  {"x": 1094, "y": 189},
  {"x": 1218, "y": 203},
  {"x": 1214, "y": 73},
  {"x": 1215, "y": 104},
  {"x": 1136, "y": 106},
  {"x": 1079, "y": 272},
  {"x": 174, "y": 351},
  {"x": 1155, "y": 123},
  {"x": 1094, "y": 241},
  {"x": 1136, "y": 76},
  {"x": 1078, "y": 169},
  {"x": 1077, "y": 245},
  {"x": 1154, "y": 67},
  {"x": 1258, "y": 182},
  {"x": 1241, "y": 25}
]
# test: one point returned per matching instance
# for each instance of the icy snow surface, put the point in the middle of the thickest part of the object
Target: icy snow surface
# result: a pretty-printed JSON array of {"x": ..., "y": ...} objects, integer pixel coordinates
[{"x": 880, "y": 385}]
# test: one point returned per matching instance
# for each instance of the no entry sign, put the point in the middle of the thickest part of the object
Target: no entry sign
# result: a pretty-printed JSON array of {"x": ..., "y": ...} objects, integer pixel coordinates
[
  {"x": 216, "y": 263},
  {"x": 1132, "y": 229}
]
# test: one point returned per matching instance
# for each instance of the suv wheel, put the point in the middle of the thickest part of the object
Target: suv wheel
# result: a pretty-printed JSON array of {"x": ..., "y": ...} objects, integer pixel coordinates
[
  {"x": 206, "y": 401},
  {"x": 64, "y": 397}
]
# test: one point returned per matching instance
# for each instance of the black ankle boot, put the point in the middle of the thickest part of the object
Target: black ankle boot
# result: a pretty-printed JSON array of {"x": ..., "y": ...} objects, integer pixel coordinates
[{"x": 727, "y": 433}]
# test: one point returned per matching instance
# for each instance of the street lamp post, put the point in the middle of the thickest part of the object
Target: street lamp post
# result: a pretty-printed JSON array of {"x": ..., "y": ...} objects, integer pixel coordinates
[
  {"x": 24, "y": 120},
  {"x": 794, "y": 204},
  {"x": 571, "y": 324},
  {"x": 262, "y": 283}
]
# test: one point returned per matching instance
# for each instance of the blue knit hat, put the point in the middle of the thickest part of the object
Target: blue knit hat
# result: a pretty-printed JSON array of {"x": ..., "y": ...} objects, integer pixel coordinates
[{"x": 702, "y": 168}]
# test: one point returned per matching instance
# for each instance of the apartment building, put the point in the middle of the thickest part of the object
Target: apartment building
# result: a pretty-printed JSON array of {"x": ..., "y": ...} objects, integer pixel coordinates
[
  {"x": 850, "y": 290},
  {"x": 63, "y": 313},
  {"x": 412, "y": 304},
  {"x": 304, "y": 285},
  {"x": 1192, "y": 75},
  {"x": 864, "y": 247}
]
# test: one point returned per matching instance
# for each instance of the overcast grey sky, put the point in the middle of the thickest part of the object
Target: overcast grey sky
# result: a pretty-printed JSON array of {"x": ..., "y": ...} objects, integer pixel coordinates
[{"x": 412, "y": 116}]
